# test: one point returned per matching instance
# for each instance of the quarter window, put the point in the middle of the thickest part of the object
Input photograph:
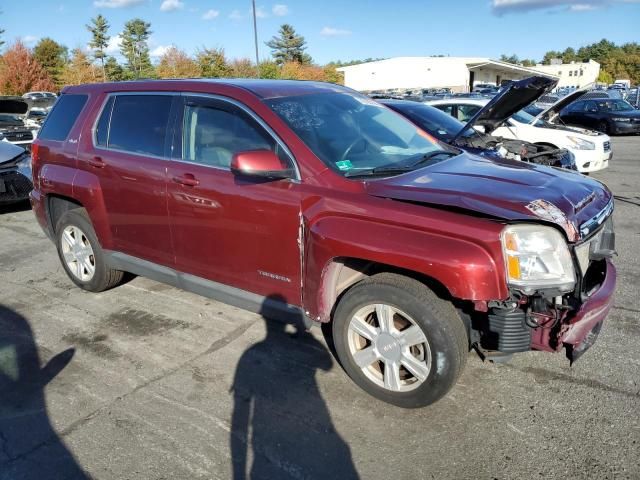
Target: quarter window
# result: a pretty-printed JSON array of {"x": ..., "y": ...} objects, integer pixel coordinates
[
  {"x": 212, "y": 135},
  {"x": 139, "y": 124},
  {"x": 62, "y": 118}
]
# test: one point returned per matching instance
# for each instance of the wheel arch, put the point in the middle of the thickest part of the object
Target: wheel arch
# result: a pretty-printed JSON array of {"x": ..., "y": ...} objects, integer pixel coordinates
[{"x": 342, "y": 273}]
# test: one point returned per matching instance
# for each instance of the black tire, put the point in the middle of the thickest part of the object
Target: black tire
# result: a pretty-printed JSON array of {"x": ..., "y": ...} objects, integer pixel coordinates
[
  {"x": 603, "y": 127},
  {"x": 445, "y": 331},
  {"x": 104, "y": 277}
]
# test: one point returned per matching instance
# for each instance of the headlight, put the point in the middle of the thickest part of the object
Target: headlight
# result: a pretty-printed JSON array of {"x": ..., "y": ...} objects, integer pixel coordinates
[
  {"x": 537, "y": 257},
  {"x": 581, "y": 144},
  {"x": 621, "y": 119}
]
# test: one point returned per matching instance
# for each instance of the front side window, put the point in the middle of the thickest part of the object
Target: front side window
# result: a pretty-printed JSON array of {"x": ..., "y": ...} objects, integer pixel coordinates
[
  {"x": 350, "y": 132},
  {"x": 212, "y": 135},
  {"x": 465, "y": 112},
  {"x": 615, "y": 106},
  {"x": 139, "y": 124}
]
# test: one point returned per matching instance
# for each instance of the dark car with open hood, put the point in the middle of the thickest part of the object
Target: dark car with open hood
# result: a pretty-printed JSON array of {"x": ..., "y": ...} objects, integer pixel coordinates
[
  {"x": 452, "y": 131},
  {"x": 410, "y": 251},
  {"x": 15, "y": 173}
]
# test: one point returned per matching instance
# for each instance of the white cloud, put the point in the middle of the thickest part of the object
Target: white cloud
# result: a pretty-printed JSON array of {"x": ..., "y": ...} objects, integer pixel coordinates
[
  {"x": 117, "y": 3},
  {"x": 334, "y": 32},
  {"x": 500, "y": 7},
  {"x": 582, "y": 7},
  {"x": 280, "y": 10},
  {"x": 170, "y": 5},
  {"x": 260, "y": 12},
  {"x": 29, "y": 39},
  {"x": 236, "y": 15},
  {"x": 160, "y": 50},
  {"x": 210, "y": 14},
  {"x": 114, "y": 44}
]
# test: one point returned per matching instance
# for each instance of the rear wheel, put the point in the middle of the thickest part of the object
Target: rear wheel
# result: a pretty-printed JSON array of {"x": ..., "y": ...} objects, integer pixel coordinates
[
  {"x": 81, "y": 255},
  {"x": 399, "y": 341}
]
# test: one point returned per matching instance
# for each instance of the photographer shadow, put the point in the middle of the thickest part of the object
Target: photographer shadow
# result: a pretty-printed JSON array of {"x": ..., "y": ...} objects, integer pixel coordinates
[
  {"x": 29, "y": 446},
  {"x": 280, "y": 418}
]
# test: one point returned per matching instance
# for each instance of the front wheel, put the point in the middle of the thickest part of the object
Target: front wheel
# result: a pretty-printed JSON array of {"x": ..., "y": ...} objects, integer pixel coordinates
[
  {"x": 398, "y": 341},
  {"x": 603, "y": 127}
]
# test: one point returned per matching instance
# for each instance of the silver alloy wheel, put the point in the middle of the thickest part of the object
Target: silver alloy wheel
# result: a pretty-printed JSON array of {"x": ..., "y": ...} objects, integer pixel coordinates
[
  {"x": 389, "y": 347},
  {"x": 78, "y": 254}
]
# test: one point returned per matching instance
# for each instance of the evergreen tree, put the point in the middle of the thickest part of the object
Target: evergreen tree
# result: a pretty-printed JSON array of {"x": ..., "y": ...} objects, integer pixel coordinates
[
  {"x": 114, "y": 71},
  {"x": 135, "y": 48},
  {"x": 52, "y": 56},
  {"x": 288, "y": 46},
  {"x": 99, "y": 41},
  {"x": 213, "y": 63}
]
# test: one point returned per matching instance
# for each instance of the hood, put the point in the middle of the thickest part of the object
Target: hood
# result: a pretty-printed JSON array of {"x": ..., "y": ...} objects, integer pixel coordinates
[
  {"x": 513, "y": 98},
  {"x": 552, "y": 112},
  {"x": 14, "y": 105},
  {"x": 504, "y": 189},
  {"x": 9, "y": 152}
]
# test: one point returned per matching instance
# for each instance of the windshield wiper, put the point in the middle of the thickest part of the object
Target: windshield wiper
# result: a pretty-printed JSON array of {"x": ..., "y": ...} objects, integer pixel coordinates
[
  {"x": 422, "y": 161},
  {"x": 391, "y": 169}
]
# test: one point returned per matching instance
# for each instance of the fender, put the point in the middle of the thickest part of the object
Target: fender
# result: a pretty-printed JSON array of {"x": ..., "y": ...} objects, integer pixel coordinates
[
  {"x": 470, "y": 267},
  {"x": 87, "y": 190}
]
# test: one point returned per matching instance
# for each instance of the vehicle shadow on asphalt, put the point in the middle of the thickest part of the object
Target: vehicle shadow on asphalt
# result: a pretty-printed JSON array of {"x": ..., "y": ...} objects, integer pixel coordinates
[
  {"x": 280, "y": 419},
  {"x": 15, "y": 207},
  {"x": 29, "y": 446}
]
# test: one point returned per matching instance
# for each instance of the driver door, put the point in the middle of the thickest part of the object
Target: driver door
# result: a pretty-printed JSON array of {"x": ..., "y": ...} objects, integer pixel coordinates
[{"x": 237, "y": 231}]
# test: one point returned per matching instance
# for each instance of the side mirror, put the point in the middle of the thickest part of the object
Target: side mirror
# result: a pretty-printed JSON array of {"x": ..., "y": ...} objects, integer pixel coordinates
[{"x": 260, "y": 163}]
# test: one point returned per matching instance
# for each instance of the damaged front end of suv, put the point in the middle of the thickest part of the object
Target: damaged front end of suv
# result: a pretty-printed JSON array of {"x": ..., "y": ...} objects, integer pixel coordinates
[{"x": 560, "y": 293}]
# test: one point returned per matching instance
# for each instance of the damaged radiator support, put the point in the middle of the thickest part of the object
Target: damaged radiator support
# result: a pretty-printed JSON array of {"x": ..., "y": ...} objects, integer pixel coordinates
[{"x": 507, "y": 331}]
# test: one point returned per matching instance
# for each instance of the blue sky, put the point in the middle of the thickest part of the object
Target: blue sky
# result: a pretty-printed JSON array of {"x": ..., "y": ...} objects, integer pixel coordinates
[{"x": 340, "y": 29}]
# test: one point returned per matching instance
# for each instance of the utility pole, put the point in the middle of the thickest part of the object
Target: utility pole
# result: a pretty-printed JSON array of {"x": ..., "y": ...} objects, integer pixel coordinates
[{"x": 255, "y": 35}]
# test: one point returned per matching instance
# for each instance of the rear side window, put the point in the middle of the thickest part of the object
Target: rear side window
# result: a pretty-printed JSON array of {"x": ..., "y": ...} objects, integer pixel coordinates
[
  {"x": 102, "y": 128},
  {"x": 62, "y": 117},
  {"x": 139, "y": 124}
]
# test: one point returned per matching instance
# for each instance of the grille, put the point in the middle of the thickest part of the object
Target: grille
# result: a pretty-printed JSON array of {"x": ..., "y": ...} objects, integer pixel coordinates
[
  {"x": 16, "y": 186},
  {"x": 607, "y": 146},
  {"x": 18, "y": 136}
]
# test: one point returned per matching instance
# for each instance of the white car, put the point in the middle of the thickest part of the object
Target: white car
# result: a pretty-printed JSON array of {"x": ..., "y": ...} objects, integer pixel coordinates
[{"x": 592, "y": 150}]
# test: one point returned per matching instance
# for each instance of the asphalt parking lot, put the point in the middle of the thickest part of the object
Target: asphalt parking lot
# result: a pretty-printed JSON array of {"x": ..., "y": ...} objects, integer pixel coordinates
[{"x": 146, "y": 381}]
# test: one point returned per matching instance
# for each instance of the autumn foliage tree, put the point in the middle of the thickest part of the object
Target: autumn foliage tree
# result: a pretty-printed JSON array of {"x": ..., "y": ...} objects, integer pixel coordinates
[
  {"x": 20, "y": 72},
  {"x": 176, "y": 63},
  {"x": 80, "y": 69}
]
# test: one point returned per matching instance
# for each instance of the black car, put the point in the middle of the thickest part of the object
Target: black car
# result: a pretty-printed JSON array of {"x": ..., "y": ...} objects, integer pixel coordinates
[
  {"x": 611, "y": 116},
  {"x": 15, "y": 173},
  {"x": 454, "y": 132}
]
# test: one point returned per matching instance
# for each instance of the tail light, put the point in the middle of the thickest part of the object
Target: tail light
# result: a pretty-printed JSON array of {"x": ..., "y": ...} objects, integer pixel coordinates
[{"x": 34, "y": 163}]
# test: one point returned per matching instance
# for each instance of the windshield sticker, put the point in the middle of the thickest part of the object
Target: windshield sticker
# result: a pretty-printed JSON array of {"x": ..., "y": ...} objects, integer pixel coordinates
[
  {"x": 344, "y": 165},
  {"x": 548, "y": 211}
]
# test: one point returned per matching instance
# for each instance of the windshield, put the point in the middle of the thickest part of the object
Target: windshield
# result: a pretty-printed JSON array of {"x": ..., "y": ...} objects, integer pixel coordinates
[
  {"x": 442, "y": 125},
  {"x": 524, "y": 117},
  {"x": 10, "y": 118},
  {"x": 614, "y": 106},
  {"x": 350, "y": 132}
]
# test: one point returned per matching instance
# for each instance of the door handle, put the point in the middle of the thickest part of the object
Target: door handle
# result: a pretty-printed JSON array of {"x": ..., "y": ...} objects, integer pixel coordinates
[
  {"x": 96, "y": 162},
  {"x": 187, "y": 179}
]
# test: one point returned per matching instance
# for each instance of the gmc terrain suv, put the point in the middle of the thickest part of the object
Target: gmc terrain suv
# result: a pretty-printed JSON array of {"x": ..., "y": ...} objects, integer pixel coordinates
[{"x": 251, "y": 190}]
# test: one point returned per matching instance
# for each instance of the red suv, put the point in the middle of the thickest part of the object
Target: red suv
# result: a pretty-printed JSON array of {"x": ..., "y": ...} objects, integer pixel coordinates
[{"x": 304, "y": 198}]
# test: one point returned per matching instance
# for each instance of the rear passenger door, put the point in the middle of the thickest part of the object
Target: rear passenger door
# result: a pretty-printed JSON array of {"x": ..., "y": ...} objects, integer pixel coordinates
[
  {"x": 233, "y": 230},
  {"x": 128, "y": 153}
]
